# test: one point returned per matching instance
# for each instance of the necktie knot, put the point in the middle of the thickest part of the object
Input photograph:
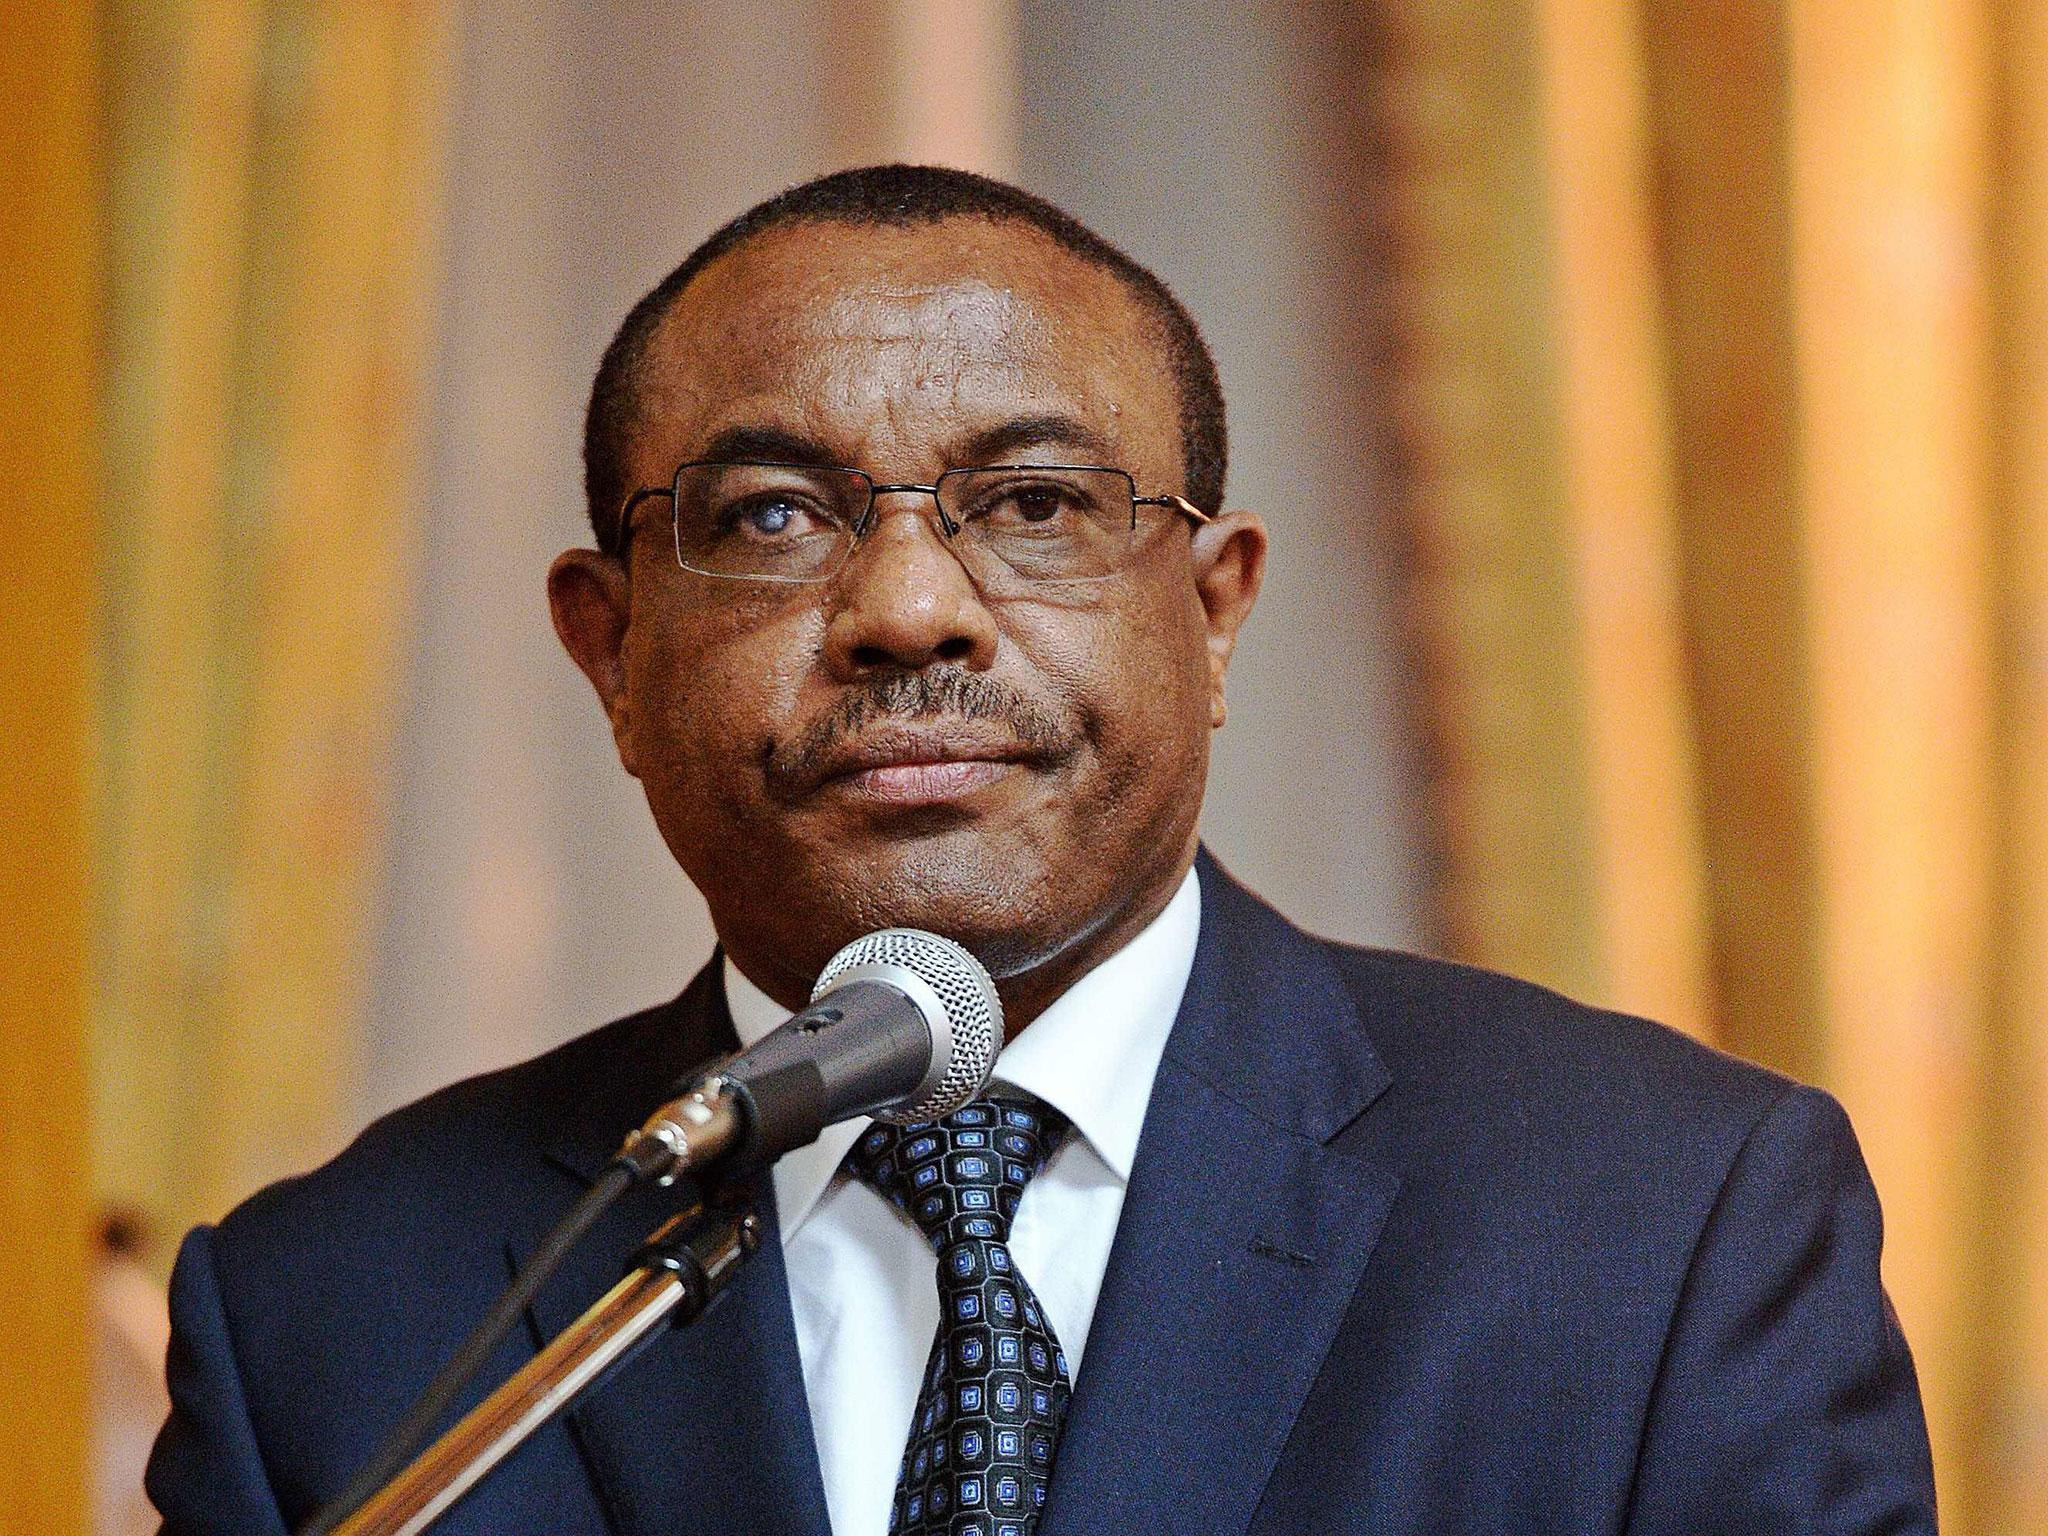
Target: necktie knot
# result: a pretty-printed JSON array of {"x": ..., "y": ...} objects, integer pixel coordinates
[{"x": 960, "y": 1177}]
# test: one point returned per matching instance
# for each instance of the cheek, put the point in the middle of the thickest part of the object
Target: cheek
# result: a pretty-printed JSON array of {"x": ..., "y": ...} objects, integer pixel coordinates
[
  {"x": 710, "y": 692},
  {"x": 1137, "y": 676}
]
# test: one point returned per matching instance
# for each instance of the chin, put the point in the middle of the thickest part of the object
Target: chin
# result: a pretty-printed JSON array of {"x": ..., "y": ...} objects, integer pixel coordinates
[{"x": 1001, "y": 902}]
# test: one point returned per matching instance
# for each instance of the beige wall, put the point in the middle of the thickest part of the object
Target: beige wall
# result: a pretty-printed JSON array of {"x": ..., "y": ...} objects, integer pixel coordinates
[
  {"x": 1195, "y": 135},
  {"x": 529, "y": 897}
]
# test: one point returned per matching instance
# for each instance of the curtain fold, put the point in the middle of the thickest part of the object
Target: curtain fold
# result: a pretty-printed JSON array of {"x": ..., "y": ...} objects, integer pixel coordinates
[
  {"x": 49, "y": 312},
  {"x": 272, "y": 173},
  {"x": 1722, "y": 381}
]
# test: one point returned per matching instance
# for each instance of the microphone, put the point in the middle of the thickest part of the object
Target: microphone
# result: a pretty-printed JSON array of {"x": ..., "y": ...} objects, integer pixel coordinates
[{"x": 903, "y": 1025}]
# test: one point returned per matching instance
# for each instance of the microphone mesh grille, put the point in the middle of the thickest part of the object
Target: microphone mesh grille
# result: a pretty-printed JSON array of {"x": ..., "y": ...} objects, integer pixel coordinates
[{"x": 974, "y": 1014}]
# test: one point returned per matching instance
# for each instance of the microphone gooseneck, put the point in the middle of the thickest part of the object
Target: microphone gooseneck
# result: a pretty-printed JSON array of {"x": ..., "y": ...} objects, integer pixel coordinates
[{"x": 903, "y": 1025}]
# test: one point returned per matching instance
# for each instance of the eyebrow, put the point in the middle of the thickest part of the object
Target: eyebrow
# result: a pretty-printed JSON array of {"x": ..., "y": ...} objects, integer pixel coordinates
[
  {"x": 770, "y": 445},
  {"x": 1049, "y": 430},
  {"x": 992, "y": 445}
]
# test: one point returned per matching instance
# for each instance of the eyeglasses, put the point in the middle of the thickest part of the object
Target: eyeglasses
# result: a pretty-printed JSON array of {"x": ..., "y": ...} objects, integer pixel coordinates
[{"x": 799, "y": 522}]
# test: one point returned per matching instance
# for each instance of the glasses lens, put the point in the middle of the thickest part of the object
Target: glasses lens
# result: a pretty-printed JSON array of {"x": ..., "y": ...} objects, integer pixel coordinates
[
  {"x": 1043, "y": 523},
  {"x": 772, "y": 522}
]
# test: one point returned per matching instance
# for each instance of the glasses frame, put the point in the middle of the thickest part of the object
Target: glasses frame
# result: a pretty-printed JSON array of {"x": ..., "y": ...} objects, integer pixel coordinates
[{"x": 866, "y": 520}]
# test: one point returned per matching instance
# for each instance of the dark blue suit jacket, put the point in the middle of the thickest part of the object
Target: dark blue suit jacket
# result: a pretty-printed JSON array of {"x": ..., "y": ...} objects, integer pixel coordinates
[{"x": 1407, "y": 1248}]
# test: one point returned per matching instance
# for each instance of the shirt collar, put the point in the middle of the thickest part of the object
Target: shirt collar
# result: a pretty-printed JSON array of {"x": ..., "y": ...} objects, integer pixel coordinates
[{"x": 1092, "y": 1054}]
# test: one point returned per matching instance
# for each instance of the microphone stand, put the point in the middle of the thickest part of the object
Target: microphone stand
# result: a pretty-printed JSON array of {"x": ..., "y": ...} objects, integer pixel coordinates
[{"x": 688, "y": 1260}]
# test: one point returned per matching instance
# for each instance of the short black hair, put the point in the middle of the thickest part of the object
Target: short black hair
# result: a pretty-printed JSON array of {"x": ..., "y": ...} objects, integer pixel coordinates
[{"x": 900, "y": 196}]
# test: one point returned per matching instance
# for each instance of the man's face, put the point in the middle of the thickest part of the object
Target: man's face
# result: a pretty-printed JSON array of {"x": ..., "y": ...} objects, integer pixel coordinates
[{"x": 1017, "y": 765}]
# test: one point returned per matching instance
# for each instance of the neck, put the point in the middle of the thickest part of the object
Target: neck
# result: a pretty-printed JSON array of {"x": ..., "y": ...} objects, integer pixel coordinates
[{"x": 1028, "y": 992}]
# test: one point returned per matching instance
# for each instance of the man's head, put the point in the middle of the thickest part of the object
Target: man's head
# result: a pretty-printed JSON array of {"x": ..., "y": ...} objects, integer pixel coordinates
[
  {"x": 1016, "y": 763},
  {"x": 901, "y": 196}
]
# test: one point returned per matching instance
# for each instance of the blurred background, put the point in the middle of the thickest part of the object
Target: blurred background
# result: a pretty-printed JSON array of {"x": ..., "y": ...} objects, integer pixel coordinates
[{"x": 1649, "y": 401}]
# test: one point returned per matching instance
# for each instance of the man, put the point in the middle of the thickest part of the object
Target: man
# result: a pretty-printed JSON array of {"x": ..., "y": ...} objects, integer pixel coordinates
[{"x": 913, "y": 604}]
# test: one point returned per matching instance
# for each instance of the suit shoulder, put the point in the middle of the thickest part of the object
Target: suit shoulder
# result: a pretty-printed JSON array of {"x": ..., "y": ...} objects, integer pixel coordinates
[
  {"x": 1491, "y": 1037},
  {"x": 447, "y": 1151}
]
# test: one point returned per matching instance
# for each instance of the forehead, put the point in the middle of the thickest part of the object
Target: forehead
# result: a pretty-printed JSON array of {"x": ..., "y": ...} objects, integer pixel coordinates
[{"x": 895, "y": 347}]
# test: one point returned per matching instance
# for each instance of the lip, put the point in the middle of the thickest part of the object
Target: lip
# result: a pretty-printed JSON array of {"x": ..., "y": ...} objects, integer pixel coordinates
[
  {"x": 926, "y": 783},
  {"x": 921, "y": 764}
]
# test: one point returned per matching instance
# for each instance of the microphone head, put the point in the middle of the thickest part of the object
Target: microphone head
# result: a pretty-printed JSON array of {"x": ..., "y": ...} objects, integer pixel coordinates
[{"x": 967, "y": 1032}]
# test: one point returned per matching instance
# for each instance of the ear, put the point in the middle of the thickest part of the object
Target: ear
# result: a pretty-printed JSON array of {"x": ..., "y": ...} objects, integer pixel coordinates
[
  {"x": 592, "y": 603},
  {"x": 1229, "y": 563}
]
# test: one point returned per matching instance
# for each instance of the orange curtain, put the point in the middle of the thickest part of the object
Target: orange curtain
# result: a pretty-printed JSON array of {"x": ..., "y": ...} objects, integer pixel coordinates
[
  {"x": 1723, "y": 394},
  {"x": 49, "y": 293},
  {"x": 271, "y": 183}
]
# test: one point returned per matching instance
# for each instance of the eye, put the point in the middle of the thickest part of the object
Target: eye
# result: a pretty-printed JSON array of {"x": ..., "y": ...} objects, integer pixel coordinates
[
  {"x": 772, "y": 515},
  {"x": 780, "y": 521},
  {"x": 1042, "y": 504},
  {"x": 765, "y": 516},
  {"x": 1038, "y": 503}
]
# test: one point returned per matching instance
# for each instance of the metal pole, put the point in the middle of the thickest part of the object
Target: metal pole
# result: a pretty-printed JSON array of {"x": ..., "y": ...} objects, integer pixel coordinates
[{"x": 684, "y": 1265}]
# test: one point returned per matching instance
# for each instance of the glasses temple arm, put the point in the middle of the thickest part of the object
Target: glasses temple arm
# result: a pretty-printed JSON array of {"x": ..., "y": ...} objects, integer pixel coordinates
[
  {"x": 1179, "y": 504},
  {"x": 624, "y": 526}
]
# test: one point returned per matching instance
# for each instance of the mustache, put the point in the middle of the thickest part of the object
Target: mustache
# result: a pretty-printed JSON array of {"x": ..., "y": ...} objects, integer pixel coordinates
[{"x": 942, "y": 693}]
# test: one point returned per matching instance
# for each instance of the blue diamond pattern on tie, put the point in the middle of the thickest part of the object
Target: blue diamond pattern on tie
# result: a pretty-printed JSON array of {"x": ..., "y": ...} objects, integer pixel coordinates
[{"x": 987, "y": 1420}]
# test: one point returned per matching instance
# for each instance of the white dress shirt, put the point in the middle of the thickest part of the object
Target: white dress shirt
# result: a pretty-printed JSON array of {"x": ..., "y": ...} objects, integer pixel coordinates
[{"x": 863, "y": 1282}]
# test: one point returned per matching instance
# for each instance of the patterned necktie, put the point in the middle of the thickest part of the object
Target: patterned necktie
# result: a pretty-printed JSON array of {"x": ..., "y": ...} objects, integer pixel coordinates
[{"x": 995, "y": 1387}]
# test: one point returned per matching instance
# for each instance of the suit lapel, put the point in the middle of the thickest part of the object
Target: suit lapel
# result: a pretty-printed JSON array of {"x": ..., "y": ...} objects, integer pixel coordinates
[
  {"x": 1243, "y": 1237},
  {"x": 708, "y": 1431}
]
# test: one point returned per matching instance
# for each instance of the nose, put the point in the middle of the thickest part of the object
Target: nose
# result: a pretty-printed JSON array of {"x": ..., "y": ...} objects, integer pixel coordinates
[{"x": 904, "y": 601}]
